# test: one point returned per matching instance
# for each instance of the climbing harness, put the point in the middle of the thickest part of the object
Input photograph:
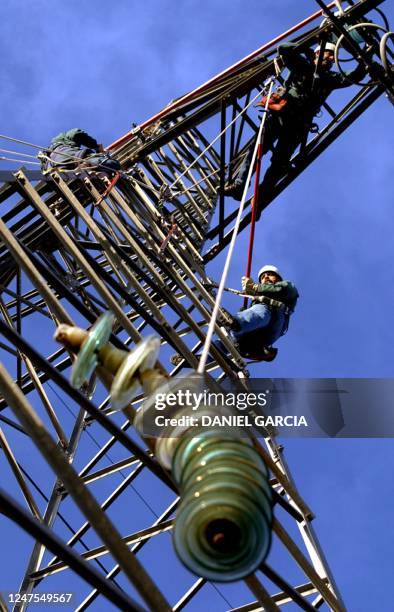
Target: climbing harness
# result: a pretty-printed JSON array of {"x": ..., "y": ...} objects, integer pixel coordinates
[
  {"x": 44, "y": 160},
  {"x": 79, "y": 164},
  {"x": 48, "y": 164},
  {"x": 272, "y": 303}
]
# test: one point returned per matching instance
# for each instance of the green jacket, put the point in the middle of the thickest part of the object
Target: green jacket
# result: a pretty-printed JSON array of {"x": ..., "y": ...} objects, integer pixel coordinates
[
  {"x": 75, "y": 138},
  {"x": 283, "y": 291}
]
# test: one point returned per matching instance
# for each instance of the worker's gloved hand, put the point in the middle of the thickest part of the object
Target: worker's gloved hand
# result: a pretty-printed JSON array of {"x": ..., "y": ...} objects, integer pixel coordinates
[{"x": 249, "y": 286}]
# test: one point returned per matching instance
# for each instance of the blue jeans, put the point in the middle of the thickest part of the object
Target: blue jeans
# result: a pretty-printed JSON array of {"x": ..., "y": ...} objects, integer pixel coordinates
[{"x": 268, "y": 325}]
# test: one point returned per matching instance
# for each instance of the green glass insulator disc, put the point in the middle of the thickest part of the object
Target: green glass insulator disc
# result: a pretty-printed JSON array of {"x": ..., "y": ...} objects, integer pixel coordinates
[
  {"x": 221, "y": 538},
  {"x": 231, "y": 474},
  {"x": 255, "y": 493},
  {"x": 223, "y": 524},
  {"x": 86, "y": 361},
  {"x": 126, "y": 384},
  {"x": 194, "y": 444},
  {"x": 221, "y": 451}
]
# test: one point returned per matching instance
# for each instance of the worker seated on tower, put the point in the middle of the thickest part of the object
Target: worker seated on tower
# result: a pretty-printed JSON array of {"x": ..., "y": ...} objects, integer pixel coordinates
[
  {"x": 257, "y": 328},
  {"x": 75, "y": 149},
  {"x": 291, "y": 111}
]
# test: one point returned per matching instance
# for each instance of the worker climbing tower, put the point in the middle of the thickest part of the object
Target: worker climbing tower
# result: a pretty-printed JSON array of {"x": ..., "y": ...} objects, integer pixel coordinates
[{"x": 105, "y": 301}]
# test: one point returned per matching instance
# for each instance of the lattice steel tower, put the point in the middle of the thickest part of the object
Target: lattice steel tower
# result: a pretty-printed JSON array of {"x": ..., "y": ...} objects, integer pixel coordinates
[{"x": 74, "y": 245}]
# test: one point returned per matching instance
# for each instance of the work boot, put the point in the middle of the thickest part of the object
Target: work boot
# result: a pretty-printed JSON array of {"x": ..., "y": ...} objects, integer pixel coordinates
[
  {"x": 226, "y": 319},
  {"x": 231, "y": 322},
  {"x": 270, "y": 353},
  {"x": 235, "y": 326},
  {"x": 258, "y": 353},
  {"x": 233, "y": 190}
]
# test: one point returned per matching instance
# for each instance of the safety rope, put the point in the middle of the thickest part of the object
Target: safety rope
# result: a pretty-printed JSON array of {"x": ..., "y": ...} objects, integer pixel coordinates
[
  {"x": 210, "y": 284},
  {"x": 210, "y": 145},
  {"x": 18, "y": 160},
  {"x": 18, "y": 153},
  {"x": 195, "y": 184},
  {"x": 29, "y": 144},
  {"x": 215, "y": 312},
  {"x": 254, "y": 209}
]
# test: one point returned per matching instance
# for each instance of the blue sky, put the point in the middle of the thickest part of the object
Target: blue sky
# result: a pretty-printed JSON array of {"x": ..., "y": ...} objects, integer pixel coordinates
[{"x": 102, "y": 66}]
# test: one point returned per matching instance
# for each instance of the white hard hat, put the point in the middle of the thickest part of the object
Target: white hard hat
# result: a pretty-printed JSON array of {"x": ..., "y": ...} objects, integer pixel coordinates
[
  {"x": 269, "y": 268},
  {"x": 327, "y": 47}
]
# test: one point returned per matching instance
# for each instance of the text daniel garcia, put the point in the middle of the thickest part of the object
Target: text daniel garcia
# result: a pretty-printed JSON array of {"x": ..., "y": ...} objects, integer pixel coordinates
[{"x": 236, "y": 420}]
